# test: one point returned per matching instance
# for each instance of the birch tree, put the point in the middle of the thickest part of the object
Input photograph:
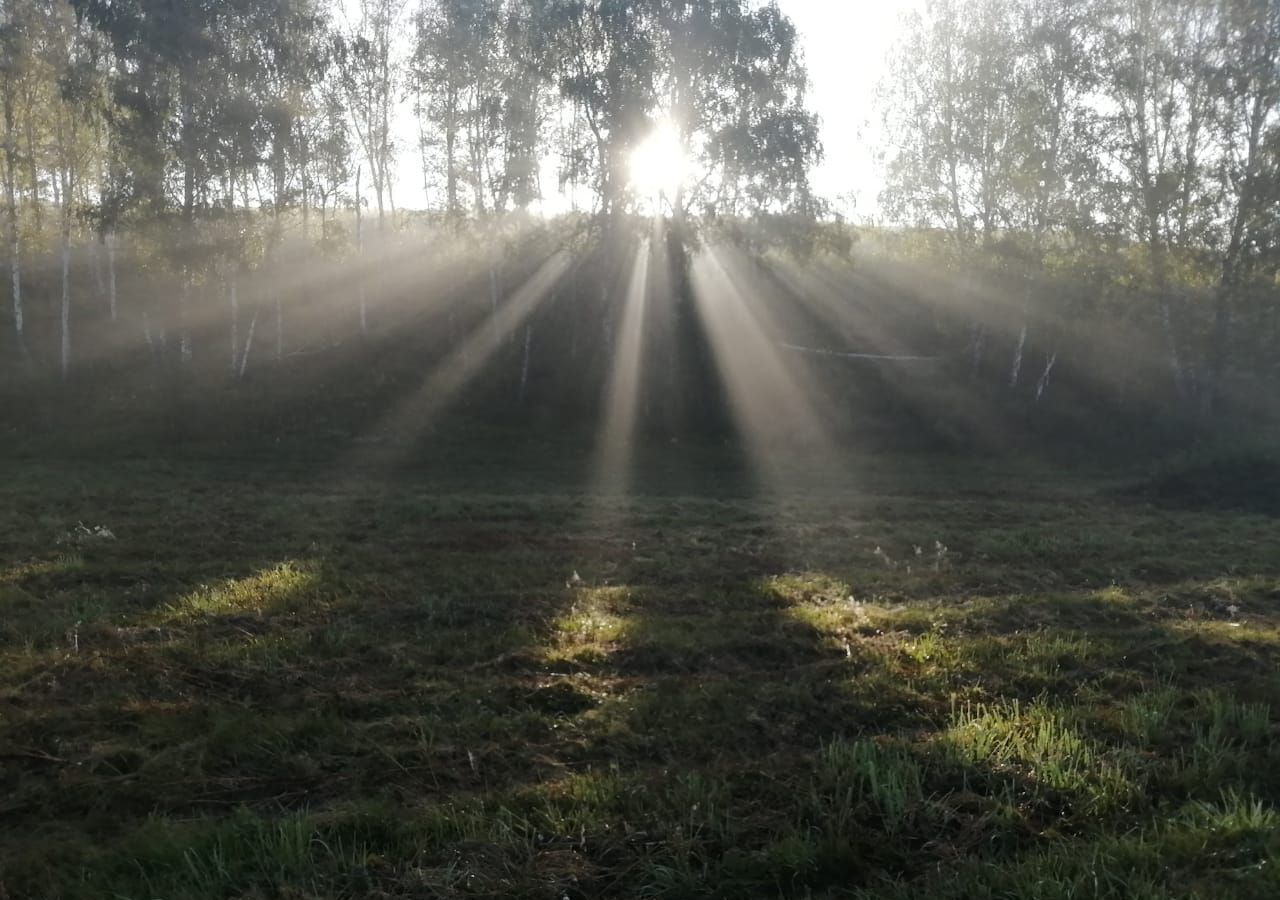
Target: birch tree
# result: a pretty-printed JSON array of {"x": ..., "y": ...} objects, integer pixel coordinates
[
  {"x": 1156, "y": 79},
  {"x": 14, "y": 54},
  {"x": 371, "y": 71},
  {"x": 444, "y": 60},
  {"x": 1248, "y": 131}
]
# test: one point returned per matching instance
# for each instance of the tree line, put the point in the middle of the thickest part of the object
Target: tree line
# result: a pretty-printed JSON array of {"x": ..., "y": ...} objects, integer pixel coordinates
[
  {"x": 1132, "y": 146},
  {"x": 212, "y": 133},
  {"x": 1092, "y": 185}
]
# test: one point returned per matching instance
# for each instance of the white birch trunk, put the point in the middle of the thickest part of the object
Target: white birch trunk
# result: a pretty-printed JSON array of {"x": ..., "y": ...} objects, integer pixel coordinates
[
  {"x": 15, "y": 268},
  {"x": 184, "y": 333},
  {"x": 1016, "y": 370},
  {"x": 234, "y": 301},
  {"x": 1044, "y": 376},
  {"x": 248, "y": 343},
  {"x": 111, "y": 272},
  {"x": 362, "y": 300},
  {"x": 15, "y": 243}
]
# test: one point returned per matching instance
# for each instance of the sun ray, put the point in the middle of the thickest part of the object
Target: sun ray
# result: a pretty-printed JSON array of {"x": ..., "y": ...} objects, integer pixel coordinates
[
  {"x": 622, "y": 392},
  {"x": 771, "y": 399},
  {"x": 413, "y": 415}
]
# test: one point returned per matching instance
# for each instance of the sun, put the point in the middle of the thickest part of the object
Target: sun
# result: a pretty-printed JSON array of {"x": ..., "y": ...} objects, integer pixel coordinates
[{"x": 660, "y": 166}]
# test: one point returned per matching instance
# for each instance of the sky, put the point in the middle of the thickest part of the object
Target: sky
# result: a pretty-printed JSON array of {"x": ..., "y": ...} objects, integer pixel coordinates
[{"x": 845, "y": 44}]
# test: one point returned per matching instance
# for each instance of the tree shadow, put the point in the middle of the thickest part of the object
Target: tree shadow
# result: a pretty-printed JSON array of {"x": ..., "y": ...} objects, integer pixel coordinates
[{"x": 492, "y": 658}]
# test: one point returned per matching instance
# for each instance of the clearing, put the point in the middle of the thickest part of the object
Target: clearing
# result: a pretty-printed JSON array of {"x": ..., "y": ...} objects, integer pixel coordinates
[{"x": 926, "y": 680}]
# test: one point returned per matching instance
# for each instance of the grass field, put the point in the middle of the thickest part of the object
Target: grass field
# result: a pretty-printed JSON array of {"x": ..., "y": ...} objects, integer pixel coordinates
[{"x": 924, "y": 680}]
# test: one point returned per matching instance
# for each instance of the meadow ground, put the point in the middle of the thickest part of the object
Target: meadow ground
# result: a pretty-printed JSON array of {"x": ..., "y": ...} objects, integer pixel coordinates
[{"x": 929, "y": 679}]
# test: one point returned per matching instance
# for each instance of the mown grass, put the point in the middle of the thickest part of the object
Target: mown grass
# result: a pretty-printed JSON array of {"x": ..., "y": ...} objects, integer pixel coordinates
[{"x": 265, "y": 683}]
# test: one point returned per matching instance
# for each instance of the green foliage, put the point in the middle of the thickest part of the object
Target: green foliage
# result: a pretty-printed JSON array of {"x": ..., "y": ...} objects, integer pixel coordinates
[{"x": 1029, "y": 132}]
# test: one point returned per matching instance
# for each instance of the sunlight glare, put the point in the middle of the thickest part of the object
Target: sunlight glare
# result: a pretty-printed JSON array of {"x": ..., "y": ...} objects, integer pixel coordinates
[
  {"x": 622, "y": 393},
  {"x": 660, "y": 166}
]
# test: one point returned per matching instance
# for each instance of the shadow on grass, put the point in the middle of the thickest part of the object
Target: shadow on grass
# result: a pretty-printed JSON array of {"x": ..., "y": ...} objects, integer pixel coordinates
[{"x": 383, "y": 688}]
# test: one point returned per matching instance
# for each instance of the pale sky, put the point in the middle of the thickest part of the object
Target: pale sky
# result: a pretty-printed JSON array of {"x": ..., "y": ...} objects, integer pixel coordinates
[{"x": 845, "y": 44}]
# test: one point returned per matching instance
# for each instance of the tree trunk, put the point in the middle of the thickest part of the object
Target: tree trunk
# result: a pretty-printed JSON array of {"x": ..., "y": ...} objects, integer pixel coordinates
[
  {"x": 235, "y": 321},
  {"x": 111, "y": 272},
  {"x": 1218, "y": 349},
  {"x": 378, "y": 177},
  {"x": 11, "y": 198},
  {"x": 364, "y": 314},
  {"x": 1171, "y": 339},
  {"x": 493, "y": 306},
  {"x": 1160, "y": 281},
  {"x": 1043, "y": 383},
  {"x": 65, "y": 317},
  {"x": 450, "y": 152},
  {"x": 184, "y": 333},
  {"x": 1017, "y": 357},
  {"x": 304, "y": 169},
  {"x": 1231, "y": 274},
  {"x": 33, "y": 168},
  {"x": 95, "y": 269},
  {"x": 248, "y": 343},
  {"x": 391, "y": 200},
  {"x": 15, "y": 268},
  {"x": 524, "y": 367}
]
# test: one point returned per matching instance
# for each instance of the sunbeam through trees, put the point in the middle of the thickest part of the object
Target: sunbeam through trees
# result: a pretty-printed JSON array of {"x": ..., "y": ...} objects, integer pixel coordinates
[{"x": 639, "y": 448}]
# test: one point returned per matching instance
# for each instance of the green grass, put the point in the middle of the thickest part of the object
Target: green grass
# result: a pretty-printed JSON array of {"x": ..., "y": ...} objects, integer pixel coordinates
[{"x": 266, "y": 683}]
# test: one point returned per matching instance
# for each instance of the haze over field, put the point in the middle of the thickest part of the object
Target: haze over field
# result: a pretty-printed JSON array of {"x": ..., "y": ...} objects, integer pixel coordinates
[
  {"x": 1063, "y": 208},
  {"x": 575, "y": 449}
]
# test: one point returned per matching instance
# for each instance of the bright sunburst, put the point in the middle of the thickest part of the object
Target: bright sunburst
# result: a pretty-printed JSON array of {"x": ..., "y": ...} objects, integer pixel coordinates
[{"x": 659, "y": 164}]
